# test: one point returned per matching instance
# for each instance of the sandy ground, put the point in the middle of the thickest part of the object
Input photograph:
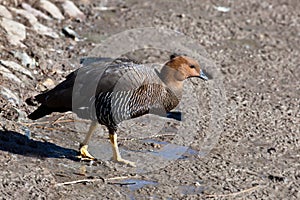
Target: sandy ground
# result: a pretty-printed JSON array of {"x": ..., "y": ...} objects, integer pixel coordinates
[{"x": 255, "y": 154}]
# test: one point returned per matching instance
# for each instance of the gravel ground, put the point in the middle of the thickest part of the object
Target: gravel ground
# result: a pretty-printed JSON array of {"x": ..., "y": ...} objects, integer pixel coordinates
[{"x": 254, "y": 45}]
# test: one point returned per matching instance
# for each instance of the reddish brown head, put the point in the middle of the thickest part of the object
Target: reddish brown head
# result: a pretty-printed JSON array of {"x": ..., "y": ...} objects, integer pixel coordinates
[{"x": 183, "y": 67}]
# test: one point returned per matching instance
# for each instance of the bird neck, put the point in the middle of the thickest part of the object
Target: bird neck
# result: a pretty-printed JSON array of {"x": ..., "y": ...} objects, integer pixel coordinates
[{"x": 170, "y": 78}]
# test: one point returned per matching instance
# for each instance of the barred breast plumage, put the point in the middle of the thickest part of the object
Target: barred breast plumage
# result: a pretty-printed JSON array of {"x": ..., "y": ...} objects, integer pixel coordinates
[
  {"x": 111, "y": 91},
  {"x": 138, "y": 91}
]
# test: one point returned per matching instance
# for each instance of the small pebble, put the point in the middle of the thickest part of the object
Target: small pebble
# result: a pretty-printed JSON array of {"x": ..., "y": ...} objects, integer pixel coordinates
[
  {"x": 197, "y": 184},
  {"x": 48, "y": 83},
  {"x": 222, "y": 8},
  {"x": 69, "y": 32}
]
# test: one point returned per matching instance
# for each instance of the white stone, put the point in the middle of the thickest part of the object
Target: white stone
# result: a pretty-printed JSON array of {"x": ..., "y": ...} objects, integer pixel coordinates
[
  {"x": 9, "y": 95},
  {"x": 16, "y": 32},
  {"x": 6, "y": 73},
  {"x": 38, "y": 27},
  {"x": 72, "y": 10},
  {"x": 25, "y": 59},
  {"x": 34, "y": 11},
  {"x": 222, "y": 8},
  {"x": 4, "y": 12},
  {"x": 51, "y": 9},
  {"x": 16, "y": 67},
  {"x": 48, "y": 83}
]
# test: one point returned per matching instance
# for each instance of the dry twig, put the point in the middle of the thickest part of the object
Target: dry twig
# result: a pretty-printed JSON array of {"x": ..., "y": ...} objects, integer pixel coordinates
[
  {"x": 92, "y": 180},
  {"x": 79, "y": 181},
  {"x": 149, "y": 137}
]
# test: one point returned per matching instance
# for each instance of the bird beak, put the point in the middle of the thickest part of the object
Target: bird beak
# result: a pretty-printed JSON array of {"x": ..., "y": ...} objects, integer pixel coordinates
[{"x": 203, "y": 76}]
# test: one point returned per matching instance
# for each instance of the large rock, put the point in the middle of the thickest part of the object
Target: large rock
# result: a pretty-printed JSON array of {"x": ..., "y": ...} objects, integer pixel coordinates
[
  {"x": 38, "y": 27},
  {"x": 4, "y": 12},
  {"x": 35, "y": 12},
  {"x": 25, "y": 59},
  {"x": 9, "y": 96},
  {"x": 16, "y": 67},
  {"x": 6, "y": 73},
  {"x": 51, "y": 9},
  {"x": 16, "y": 32},
  {"x": 72, "y": 10}
]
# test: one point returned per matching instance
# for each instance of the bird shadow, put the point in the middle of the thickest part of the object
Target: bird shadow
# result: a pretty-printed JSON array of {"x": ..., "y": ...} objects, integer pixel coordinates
[{"x": 18, "y": 143}]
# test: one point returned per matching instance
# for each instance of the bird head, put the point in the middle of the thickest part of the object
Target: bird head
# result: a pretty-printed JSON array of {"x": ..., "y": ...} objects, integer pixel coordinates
[{"x": 183, "y": 67}]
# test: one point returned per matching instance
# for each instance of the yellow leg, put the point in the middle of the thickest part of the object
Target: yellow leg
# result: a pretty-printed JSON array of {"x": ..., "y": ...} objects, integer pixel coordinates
[
  {"x": 84, "y": 154},
  {"x": 116, "y": 154}
]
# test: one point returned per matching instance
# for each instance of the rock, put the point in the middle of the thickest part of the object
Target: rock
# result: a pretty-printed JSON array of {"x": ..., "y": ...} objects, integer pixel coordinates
[
  {"x": 222, "y": 8},
  {"x": 44, "y": 30},
  {"x": 29, "y": 16},
  {"x": 38, "y": 27},
  {"x": 25, "y": 59},
  {"x": 105, "y": 8},
  {"x": 16, "y": 32},
  {"x": 9, "y": 96},
  {"x": 16, "y": 67},
  {"x": 48, "y": 83},
  {"x": 4, "y": 12},
  {"x": 51, "y": 9},
  {"x": 197, "y": 184},
  {"x": 72, "y": 10},
  {"x": 9, "y": 75},
  {"x": 27, "y": 132},
  {"x": 69, "y": 32},
  {"x": 34, "y": 11}
]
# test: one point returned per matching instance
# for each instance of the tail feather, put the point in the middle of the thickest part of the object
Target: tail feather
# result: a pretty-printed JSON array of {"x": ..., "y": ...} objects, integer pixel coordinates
[{"x": 40, "y": 112}]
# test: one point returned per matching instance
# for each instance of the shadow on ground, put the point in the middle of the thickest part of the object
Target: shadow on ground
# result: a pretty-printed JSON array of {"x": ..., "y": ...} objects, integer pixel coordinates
[{"x": 17, "y": 143}]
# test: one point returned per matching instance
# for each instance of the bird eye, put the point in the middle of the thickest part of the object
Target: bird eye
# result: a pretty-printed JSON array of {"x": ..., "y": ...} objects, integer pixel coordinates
[{"x": 192, "y": 66}]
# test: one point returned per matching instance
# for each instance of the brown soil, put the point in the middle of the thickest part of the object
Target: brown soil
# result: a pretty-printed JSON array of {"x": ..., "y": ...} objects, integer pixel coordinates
[{"x": 256, "y": 47}]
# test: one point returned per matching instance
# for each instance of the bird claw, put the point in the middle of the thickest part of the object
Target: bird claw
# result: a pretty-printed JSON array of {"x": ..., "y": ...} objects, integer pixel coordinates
[
  {"x": 84, "y": 154},
  {"x": 126, "y": 162}
]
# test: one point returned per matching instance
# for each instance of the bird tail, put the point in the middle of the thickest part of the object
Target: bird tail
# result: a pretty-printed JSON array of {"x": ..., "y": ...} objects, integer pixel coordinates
[{"x": 40, "y": 112}]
